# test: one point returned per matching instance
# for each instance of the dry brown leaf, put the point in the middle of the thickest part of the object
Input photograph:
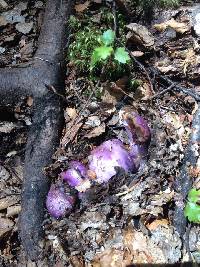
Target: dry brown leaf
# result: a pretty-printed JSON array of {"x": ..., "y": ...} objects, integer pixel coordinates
[
  {"x": 137, "y": 53},
  {"x": 81, "y": 7},
  {"x": 111, "y": 258},
  {"x": 72, "y": 129},
  {"x": 29, "y": 101},
  {"x": 140, "y": 35},
  {"x": 13, "y": 210},
  {"x": 179, "y": 27},
  {"x": 156, "y": 223},
  {"x": 5, "y": 226},
  {"x": 77, "y": 261},
  {"x": 97, "y": 131},
  {"x": 71, "y": 112},
  {"x": 8, "y": 201},
  {"x": 114, "y": 91},
  {"x": 143, "y": 92}
]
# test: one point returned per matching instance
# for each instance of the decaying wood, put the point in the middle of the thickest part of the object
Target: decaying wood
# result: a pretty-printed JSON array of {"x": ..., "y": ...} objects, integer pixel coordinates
[{"x": 45, "y": 69}]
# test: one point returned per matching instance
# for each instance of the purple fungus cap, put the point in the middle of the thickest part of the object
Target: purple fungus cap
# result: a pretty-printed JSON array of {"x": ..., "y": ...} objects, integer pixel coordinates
[
  {"x": 58, "y": 202},
  {"x": 110, "y": 154},
  {"x": 75, "y": 174}
]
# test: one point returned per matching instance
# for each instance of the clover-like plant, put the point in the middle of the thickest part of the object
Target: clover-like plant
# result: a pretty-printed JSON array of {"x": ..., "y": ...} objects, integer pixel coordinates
[
  {"x": 192, "y": 208},
  {"x": 106, "y": 50}
]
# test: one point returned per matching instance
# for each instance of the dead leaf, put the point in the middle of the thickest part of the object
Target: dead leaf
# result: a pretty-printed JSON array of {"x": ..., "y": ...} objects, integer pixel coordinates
[
  {"x": 5, "y": 226},
  {"x": 13, "y": 210},
  {"x": 97, "y": 131},
  {"x": 76, "y": 261},
  {"x": 137, "y": 53},
  {"x": 92, "y": 122},
  {"x": 111, "y": 258},
  {"x": 72, "y": 129},
  {"x": 7, "y": 127},
  {"x": 156, "y": 223},
  {"x": 114, "y": 91},
  {"x": 180, "y": 27},
  {"x": 8, "y": 201},
  {"x": 71, "y": 112},
  {"x": 81, "y": 7},
  {"x": 143, "y": 92},
  {"x": 140, "y": 35},
  {"x": 29, "y": 101}
]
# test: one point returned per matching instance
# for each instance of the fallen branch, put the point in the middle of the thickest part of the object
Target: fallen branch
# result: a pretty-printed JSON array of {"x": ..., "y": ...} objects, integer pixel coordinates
[{"x": 34, "y": 79}]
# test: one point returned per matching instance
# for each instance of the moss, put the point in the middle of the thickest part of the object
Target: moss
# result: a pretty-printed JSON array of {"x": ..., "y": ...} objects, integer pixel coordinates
[
  {"x": 85, "y": 34},
  {"x": 83, "y": 41}
]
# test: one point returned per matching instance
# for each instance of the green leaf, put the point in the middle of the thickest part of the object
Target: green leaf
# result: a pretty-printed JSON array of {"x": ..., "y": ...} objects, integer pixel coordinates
[
  {"x": 108, "y": 37},
  {"x": 121, "y": 55},
  {"x": 192, "y": 211},
  {"x": 194, "y": 195},
  {"x": 100, "y": 53}
]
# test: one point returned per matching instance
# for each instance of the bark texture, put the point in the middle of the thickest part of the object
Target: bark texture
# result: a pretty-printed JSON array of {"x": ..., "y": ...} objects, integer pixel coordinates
[{"x": 46, "y": 69}]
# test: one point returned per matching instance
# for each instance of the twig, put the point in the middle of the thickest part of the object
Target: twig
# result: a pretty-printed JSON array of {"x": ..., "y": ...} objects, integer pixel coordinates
[
  {"x": 163, "y": 92},
  {"x": 187, "y": 91},
  {"x": 187, "y": 242},
  {"x": 141, "y": 66},
  {"x": 116, "y": 29},
  {"x": 52, "y": 89}
]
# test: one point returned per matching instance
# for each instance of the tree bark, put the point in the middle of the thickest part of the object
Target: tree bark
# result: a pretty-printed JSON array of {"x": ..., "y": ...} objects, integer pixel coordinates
[{"x": 32, "y": 79}]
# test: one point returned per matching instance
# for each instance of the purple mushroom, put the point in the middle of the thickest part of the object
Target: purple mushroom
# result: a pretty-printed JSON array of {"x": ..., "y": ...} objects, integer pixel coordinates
[
  {"x": 102, "y": 163},
  {"x": 75, "y": 174},
  {"x": 58, "y": 202},
  {"x": 113, "y": 153},
  {"x": 107, "y": 156}
]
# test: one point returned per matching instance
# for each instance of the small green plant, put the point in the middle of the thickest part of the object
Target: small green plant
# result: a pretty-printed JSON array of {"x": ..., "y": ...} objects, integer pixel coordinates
[
  {"x": 106, "y": 50},
  {"x": 83, "y": 41},
  {"x": 192, "y": 208}
]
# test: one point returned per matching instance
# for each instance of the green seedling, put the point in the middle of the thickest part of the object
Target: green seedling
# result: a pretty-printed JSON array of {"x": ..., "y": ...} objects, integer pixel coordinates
[
  {"x": 106, "y": 50},
  {"x": 192, "y": 208}
]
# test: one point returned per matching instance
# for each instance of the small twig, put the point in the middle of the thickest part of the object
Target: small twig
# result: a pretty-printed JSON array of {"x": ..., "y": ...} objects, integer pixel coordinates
[
  {"x": 52, "y": 89},
  {"x": 89, "y": 98},
  {"x": 136, "y": 178},
  {"x": 141, "y": 66},
  {"x": 187, "y": 91},
  {"x": 163, "y": 92},
  {"x": 116, "y": 29},
  {"x": 187, "y": 242}
]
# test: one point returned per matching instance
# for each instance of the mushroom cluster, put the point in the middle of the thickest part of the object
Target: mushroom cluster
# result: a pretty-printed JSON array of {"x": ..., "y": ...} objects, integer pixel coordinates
[{"x": 102, "y": 163}]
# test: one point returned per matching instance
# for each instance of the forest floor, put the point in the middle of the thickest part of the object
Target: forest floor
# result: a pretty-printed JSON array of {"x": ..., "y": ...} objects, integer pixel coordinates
[{"x": 129, "y": 220}]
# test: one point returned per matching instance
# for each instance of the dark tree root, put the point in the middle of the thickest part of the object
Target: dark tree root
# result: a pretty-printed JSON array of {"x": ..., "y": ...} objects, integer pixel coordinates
[
  {"x": 33, "y": 80},
  {"x": 187, "y": 174}
]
